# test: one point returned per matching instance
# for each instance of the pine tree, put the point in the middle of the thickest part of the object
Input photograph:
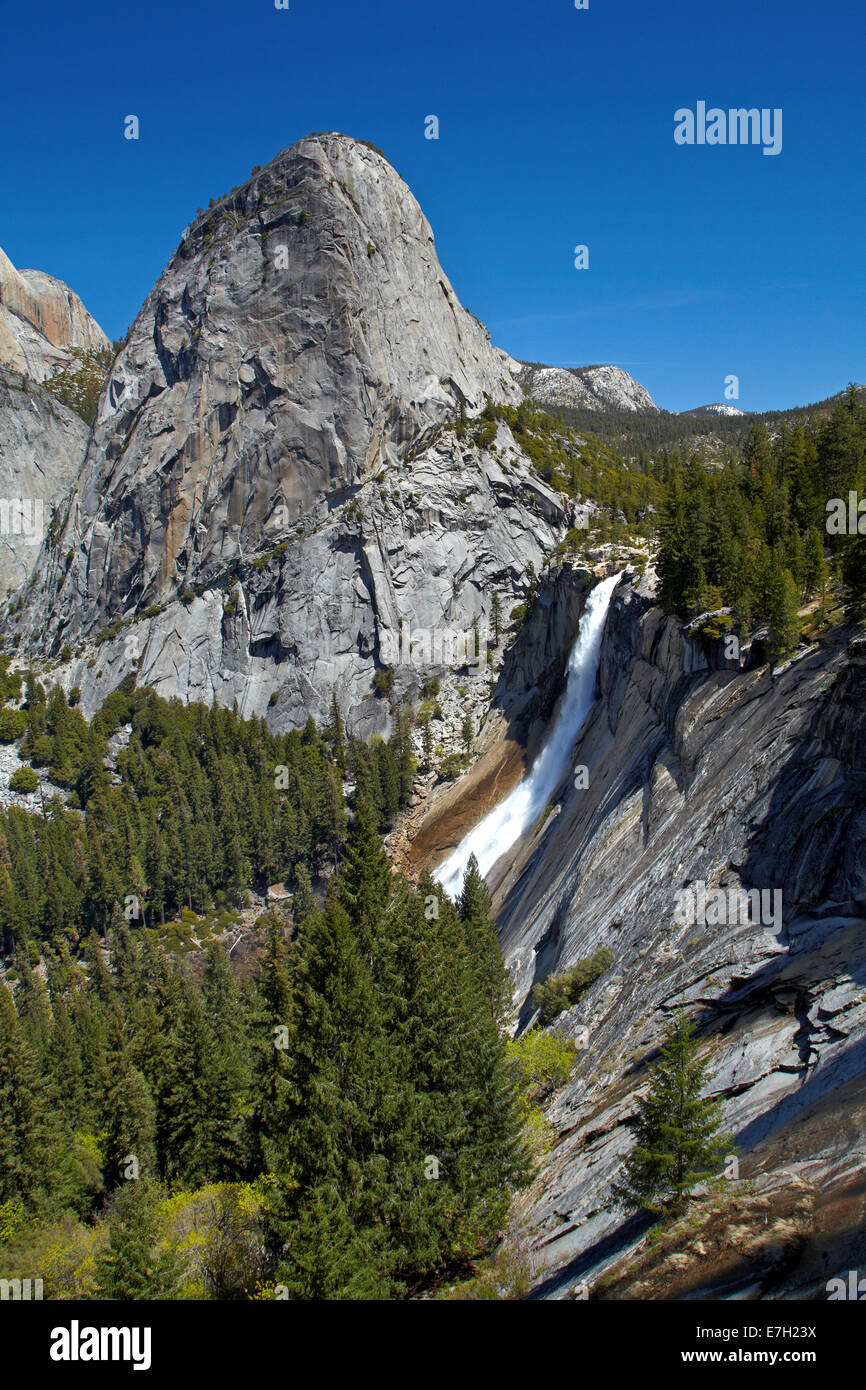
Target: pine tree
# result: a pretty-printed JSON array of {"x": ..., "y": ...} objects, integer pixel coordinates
[
  {"x": 365, "y": 880},
  {"x": 426, "y": 743},
  {"x": 32, "y": 1139},
  {"x": 479, "y": 930},
  {"x": 672, "y": 562},
  {"x": 678, "y": 1139},
  {"x": 854, "y": 570},
  {"x": 338, "y": 734},
  {"x": 496, "y": 618},
  {"x": 341, "y": 1117},
  {"x": 325, "y": 1255},
  {"x": 815, "y": 572},
  {"x": 137, "y": 1265},
  {"x": 467, "y": 1155},
  {"x": 401, "y": 746},
  {"x": 782, "y": 603},
  {"x": 131, "y": 1129},
  {"x": 201, "y": 1121},
  {"x": 276, "y": 1027},
  {"x": 467, "y": 733}
]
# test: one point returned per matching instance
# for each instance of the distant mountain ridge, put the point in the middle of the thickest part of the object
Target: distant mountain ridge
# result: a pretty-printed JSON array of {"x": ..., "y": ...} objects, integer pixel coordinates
[
  {"x": 600, "y": 388},
  {"x": 716, "y": 408}
]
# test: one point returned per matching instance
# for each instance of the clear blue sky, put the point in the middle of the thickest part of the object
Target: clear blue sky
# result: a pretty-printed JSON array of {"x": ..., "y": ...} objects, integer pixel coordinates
[{"x": 556, "y": 128}]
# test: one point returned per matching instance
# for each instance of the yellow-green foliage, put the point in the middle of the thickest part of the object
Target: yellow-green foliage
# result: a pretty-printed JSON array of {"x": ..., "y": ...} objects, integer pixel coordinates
[
  {"x": 63, "y": 1254},
  {"x": 12, "y": 1219},
  {"x": 574, "y": 464},
  {"x": 263, "y": 1292},
  {"x": 10, "y": 683},
  {"x": 539, "y": 1136},
  {"x": 214, "y": 1230},
  {"x": 543, "y": 1063},
  {"x": 716, "y": 626},
  {"x": 70, "y": 1261},
  {"x": 88, "y": 1156}
]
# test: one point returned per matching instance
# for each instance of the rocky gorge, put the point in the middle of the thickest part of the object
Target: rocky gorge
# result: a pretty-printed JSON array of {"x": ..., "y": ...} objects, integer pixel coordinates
[
  {"x": 289, "y": 476},
  {"x": 700, "y": 771}
]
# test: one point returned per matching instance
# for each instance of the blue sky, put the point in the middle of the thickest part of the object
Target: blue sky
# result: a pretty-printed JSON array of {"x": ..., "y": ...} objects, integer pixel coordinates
[{"x": 556, "y": 129}]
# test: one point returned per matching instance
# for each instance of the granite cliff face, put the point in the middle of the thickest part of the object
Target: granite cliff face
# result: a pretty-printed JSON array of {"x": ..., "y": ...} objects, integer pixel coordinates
[
  {"x": 284, "y": 492},
  {"x": 42, "y": 447},
  {"x": 40, "y": 319},
  {"x": 721, "y": 773},
  {"x": 42, "y": 443},
  {"x": 270, "y": 489}
]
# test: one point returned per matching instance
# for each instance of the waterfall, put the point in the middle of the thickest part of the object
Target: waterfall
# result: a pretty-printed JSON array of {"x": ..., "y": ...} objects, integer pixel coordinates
[{"x": 517, "y": 814}]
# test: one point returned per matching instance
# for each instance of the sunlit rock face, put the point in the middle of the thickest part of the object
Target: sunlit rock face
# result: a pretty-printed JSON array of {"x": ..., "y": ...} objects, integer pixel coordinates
[
  {"x": 585, "y": 388},
  {"x": 40, "y": 320},
  {"x": 42, "y": 446},
  {"x": 269, "y": 466},
  {"x": 703, "y": 773}
]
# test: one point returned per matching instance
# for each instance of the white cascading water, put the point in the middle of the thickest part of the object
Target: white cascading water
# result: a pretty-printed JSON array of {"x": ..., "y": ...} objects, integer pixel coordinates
[{"x": 517, "y": 814}]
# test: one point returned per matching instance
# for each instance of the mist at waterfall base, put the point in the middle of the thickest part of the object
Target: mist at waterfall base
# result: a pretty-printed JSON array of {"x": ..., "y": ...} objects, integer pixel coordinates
[{"x": 518, "y": 813}]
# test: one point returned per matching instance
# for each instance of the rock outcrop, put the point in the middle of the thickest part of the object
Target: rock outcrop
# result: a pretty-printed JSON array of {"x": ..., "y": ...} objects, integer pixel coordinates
[
  {"x": 701, "y": 772},
  {"x": 285, "y": 494},
  {"x": 716, "y": 408},
  {"x": 40, "y": 320},
  {"x": 585, "y": 388},
  {"x": 272, "y": 492},
  {"x": 42, "y": 448}
]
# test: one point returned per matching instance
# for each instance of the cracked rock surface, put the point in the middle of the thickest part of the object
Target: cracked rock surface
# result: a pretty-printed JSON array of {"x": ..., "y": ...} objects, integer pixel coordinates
[
  {"x": 271, "y": 486},
  {"x": 42, "y": 446},
  {"x": 701, "y": 771}
]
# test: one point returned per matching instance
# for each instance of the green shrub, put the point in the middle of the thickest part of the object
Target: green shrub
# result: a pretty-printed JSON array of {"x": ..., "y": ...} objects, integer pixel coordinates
[
  {"x": 452, "y": 766},
  {"x": 24, "y": 779},
  {"x": 485, "y": 434},
  {"x": 558, "y": 992},
  {"x": 78, "y": 383},
  {"x": 715, "y": 627},
  {"x": 42, "y": 750},
  {"x": 575, "y": 540},
  {"x": 383, "y": 681},
  {"x": 543, "y": 1062},
  {"x": 13, "y": 722}
]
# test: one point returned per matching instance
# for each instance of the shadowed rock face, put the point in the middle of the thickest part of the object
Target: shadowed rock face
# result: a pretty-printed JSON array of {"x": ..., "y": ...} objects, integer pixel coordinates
[
  {"x": 41, "y": 449},
  {"x": 733, "y": 777},
  {"x": 40, "y": 317},
  {"x": 269, "y": 445}
]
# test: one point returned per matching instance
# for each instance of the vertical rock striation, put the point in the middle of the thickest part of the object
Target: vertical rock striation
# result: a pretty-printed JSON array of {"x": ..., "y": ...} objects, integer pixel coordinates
[{"x": 270, "y": 489}]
